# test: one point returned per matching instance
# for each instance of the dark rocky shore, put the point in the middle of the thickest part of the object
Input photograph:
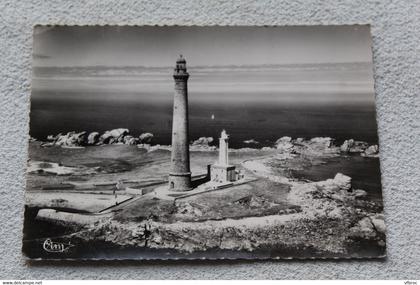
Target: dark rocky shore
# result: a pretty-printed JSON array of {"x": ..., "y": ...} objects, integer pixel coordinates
[{"x": 122, "y": 136}]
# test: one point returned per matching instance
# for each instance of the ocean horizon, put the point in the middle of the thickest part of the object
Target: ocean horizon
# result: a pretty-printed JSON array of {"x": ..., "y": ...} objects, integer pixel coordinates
[{"x": 261, "y": 103}]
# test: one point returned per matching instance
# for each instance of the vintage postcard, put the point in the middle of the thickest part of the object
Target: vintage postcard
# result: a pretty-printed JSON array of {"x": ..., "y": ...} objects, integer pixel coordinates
[{"x": 174, "y": 142}]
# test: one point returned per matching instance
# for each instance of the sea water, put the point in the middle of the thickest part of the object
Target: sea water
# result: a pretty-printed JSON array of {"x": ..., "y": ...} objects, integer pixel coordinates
[{"x": 260, "y": 122}]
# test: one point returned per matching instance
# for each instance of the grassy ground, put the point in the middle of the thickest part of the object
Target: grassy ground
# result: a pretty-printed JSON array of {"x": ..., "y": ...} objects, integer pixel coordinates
[
  {"x": 98, "y": 169},
  {"x": 258, "y": 198}
]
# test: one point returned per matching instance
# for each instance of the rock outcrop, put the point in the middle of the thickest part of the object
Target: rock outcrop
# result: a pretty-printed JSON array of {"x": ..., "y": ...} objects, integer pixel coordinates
[
  {"x": 202, "y": 144},
  {"x": 326, "y": 142},
  {"x": 146, "y": 138},
  {"x": 115, "y": 136},
  {"x": 93, "y": 138},
  {"x": 130, "y": 140},
  {"x": 325, "y": 145},
  {"x": 342, "y": 181},
  {"x": 371, "y": 151},
  {"x": 359, "y": 194},
  {"x": 203, "y": 141},
  {"x": 371, "y": 228},
  {"x": 379, "y": 223},
  {"x": 284, "y": 143},
  {"x": 352, "y": 146},
  {"x": 347, "y": 144},
  {"x": 318, "y": 146},
  {"x": 70, "y": 139},
  {"x": 334, "y": 198}
]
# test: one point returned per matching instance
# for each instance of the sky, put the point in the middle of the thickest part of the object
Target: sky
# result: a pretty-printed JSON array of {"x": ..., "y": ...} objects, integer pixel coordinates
[
  {"x": 296, "y": 65},
  {"x": 208, "y": 46}
]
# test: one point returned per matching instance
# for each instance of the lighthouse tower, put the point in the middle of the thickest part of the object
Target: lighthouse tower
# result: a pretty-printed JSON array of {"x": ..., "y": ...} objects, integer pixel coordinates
[
  {"x": 222, "y": 171},
  {"x": 180, "y": 174},
  {"x": 223, "y": 149}
]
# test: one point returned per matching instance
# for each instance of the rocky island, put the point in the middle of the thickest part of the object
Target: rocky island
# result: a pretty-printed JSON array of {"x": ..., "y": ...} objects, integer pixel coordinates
[{"x": 97, "y": 189}]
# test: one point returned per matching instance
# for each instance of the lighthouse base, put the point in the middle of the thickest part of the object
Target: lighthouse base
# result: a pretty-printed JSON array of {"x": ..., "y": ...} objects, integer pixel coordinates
[
  {"x": 180, "y": 182},
  {"x": 222, "y": 173}
]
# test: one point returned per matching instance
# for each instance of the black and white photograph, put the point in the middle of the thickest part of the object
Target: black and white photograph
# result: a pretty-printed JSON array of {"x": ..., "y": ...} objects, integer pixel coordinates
[{"x": 203, "y": 142}]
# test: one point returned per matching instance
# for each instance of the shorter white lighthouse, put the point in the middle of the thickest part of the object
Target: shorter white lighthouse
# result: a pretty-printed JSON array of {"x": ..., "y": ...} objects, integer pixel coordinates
[
  {"x": 223, "y": 149},
  {"x": 221, "y": 171}
]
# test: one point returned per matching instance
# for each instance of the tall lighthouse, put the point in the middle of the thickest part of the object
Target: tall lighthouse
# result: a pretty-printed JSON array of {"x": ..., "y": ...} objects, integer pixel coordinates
[{"x": 180, "y": 174}]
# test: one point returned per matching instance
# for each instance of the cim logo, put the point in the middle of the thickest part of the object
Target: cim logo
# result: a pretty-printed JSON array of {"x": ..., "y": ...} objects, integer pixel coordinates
[{"x": 54, "y": 247}]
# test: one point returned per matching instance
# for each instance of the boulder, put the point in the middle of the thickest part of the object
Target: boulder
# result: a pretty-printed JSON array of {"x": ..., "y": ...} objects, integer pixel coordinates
[
  {"x": 120, "y": 139},
  {"x": 358, "y": 146},
  {"x": 113, "y": 136},
  {"x": 203, "y": 141},
  {"x": 127, "y": 138},
  {"x": 93, "y": 138},
  {"x": 299, "y": 140},
  {"x": 358, "y": 194},
  {"x": 62, "y": 139},
  {"x": 130, "y": 140},
  {"x": 71, "y": 139},
  {"x": 284, "y": 139},
  {"x": 333, "y": 186},
  {"x": 342, "y": 181},
  {"x": 371, "y": 150},
  {"x": 202, "y": 144},
  {"x": 363, "y": 233},
  {"x": 105, "y": 137},
  {"x": 322, "y": 141},
  {"x": 54, "y": 138},
  {"x": 117, "y": 133},
  {"x": 81, "y": 138},
  {"x": 365, "y": 224},
  {"x": 379, "y": 225},
  {"x": 347, "y": 144},
  {"x": 353, "y": 146},
  {"x": 146, "y": 138},
  {"x": 284, "y": 143},
  {"x": 364, "y": 229}
]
